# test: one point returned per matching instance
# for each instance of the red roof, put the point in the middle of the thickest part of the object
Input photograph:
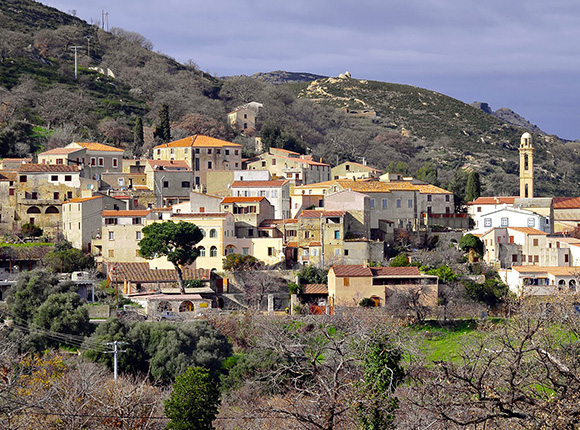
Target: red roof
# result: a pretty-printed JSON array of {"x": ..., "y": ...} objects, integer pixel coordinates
[
  {"x": 55, "y": 168},
  {"x": 358, "y": 271},
  {"x": 315, "y": 289},
  {"x": 396, "y": 271},
  {"x": 493, "y": 201},
  {"x": 141, "y": 272},
  {"x": 318, "y": 214},
  {"x": 129, "y": 213},
  {"x": 566, "y": 202},
  {"x": 61, "y": 151},
  {"x": 174, "y": 164},
  {"x": 259, "y": 184},
  {"x": 243, "y": 199},
  {"x": 94, "y": 146},
  {"x": 528, "y": 230},
  {"x": 198, "y": 140}
]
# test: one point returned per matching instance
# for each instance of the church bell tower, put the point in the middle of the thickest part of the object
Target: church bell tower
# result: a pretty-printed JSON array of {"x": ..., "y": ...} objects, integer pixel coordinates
[{"x": 526, "y": 167}]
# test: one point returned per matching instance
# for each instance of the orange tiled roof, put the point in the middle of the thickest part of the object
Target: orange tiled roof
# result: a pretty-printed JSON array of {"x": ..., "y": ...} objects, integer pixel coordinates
[
  {"x": 56, "y": 168},
  {"x": 358, "y": 271},
  {"x": 493, "y": 201},
  {"x": 176, "y": 164},
  {"x": 259, "y": 184},
  {"x": 94, "y": 146},
  {"x": 315, "y": 289},
  {"x": 242, "y": 199},
  {"x": 528, "y": 230},
  {"x": 396, "y": 271},
  {"x": 128, "y": 213},
  {"x": 141, "y": 272},
  {"x": 201, "y": 215},
  {"x": 553, "y": 270},
  {"x": 82, "y": 199},
  {"x": 8, "y": 175},
  {"x": 374, "y": 186},
  {"x": 60, "y": 151},
  {"x": 566, "y": 202},
  {"x": 317, "y": 214},
  {"x": 16, "y": 160},
  {"x": 198, "y": 140}
]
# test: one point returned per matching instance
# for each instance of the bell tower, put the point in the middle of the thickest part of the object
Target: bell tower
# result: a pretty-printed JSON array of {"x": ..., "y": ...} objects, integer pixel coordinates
[{"x": 526, "y": 167}]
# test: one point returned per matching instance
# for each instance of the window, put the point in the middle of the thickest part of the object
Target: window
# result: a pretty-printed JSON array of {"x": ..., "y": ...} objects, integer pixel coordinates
[
  {"x": 514, "y": 258},
  {"x": 536, "y": 258},
  {"x": 236, "y": 152},
  {"x": 69, "y": 194},
  {"x": 67, "y": 178},
  {"x": 306, "y": 235},
  {"x": 111, "y": 235},
  {"x": 138, "y": 235},
  {"x": 111, "y": 253},
  {"x": 185, "y": 184},
  {"x": 213, "y": 251},
  {"x": 115, "y": 162},
  {"x": 213, "y": 233},
  {"x": 315, "y": 252},
  {"x": 59, "y": 161},
  {"x": 337, "y": 234},
  {"x": 263, "y": 164},
  {"x": 337, "y": 252},
  {"x": 384, "y": 201},
  {"x": 479, "y": 209},
  {"x": 209, "y": 164},
  {"x": 531, "y": 222},
  {"x": 93, "y": 161},
  {"x": 346, "y": 252},
  {"x": 137, "y": 221},
  {"x": 565, "y": 258},
  {"x": 23, "y": 178},
  {"x": 121, "y": 182},
  {"x": 529, "y": 258},
  {"x": 101, "y": 161},
  {"x": 251, "y": 232},
  {"x": 446, "y": 197},
  {"x": 273, "y": 162},
  {"x": 346, "y": 282},
  {"x": 270, "y": 251},
  {"x": 56, "y": 195},
  {"x": 372, "y": 203},
  {"x": 291, "y": 233},
  {"x": 202, "y": 251},
  {"x": 409, "y": 203},
  {"x": 245, "y": 251},
  {"x": 218, "y": 151},
  {"x": 429, "y": 197},
  {"x": 165, "y": 184},
  {"x": 504, "y": 222},
  {"x": 110, "y": 221},
  {"x": 197, "y": 150},
  {"x": 54, "y": 178},
  {"x": 209, "y": 151},
  {"x": 34, "y": 195},
  {"x": 227, "y": 152},
  {"x": 398, "y": 203},
  {"x": 535, "y": 242},
  {"x": 11, "y": 192},
  {"x": 487, "y": 222}
]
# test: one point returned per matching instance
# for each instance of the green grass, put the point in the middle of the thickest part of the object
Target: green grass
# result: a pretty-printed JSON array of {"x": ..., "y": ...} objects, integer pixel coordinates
[
  {"x": 25, "y": 245},
  {"x": 445, "y": 343}
]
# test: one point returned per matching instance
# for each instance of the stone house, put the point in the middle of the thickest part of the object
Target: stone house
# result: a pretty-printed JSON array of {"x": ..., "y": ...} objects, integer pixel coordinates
[
  {"x": 349, "y": 284},
  {"x": 171, "y": 181},
  {"x": 277, "y": 192},
  {"x": 541, "y": 280},
  {"x": 99, "y": 158},
  {"x": 243, "y": 118},
  {"x": 350, "y": 170},
  {"x": 249, "y": 212}
]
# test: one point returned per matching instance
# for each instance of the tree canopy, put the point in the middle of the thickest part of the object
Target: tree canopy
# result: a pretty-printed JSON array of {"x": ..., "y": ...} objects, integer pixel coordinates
[{"x": 176, "y": 241}]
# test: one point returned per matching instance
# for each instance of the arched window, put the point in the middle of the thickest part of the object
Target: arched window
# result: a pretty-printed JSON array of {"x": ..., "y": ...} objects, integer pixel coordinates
[
  {"x": 230, "y": 249},
  {"x": 52, "y": 210},
  {"x": 213, "y": 232},
  {"x": 572, "y": 285},
  {"x": 213, "y": 251},
  {"x": 163, "y": 306},
  {"x": 186, "y": 306},
  {"x": 33, "y": 210},
  {"x": 201, "y": 251}
]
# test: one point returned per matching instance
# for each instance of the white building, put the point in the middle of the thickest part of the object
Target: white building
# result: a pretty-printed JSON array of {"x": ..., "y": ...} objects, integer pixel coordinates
[{"x": 509, "y": 217}]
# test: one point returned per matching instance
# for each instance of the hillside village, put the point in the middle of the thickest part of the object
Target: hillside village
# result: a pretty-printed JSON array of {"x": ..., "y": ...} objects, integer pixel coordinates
[{"x": 286, "y": 209}]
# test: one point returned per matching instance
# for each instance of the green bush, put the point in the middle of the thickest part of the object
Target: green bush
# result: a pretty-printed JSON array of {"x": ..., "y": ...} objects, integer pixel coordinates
[{"x": 400, "y": 260}]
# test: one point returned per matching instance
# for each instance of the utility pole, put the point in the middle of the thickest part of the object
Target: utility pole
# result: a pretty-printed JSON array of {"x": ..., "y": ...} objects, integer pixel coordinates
[
  {"x": 88, "y": 45},
  {"x": 115, "y": 353},
  {"x": 76, "y": 48}
]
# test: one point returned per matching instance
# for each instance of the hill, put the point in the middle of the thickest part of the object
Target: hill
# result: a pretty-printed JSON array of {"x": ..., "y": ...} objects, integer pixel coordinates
[{"x": 392, "y": 126}]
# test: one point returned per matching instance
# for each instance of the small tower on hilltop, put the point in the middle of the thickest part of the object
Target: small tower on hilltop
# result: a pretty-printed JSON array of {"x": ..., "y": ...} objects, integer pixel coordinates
[{"x": 526, "y": 167}]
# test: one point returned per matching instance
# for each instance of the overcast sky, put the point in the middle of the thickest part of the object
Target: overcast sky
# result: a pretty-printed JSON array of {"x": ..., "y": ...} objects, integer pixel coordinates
[{"x": 524, "y": 55}]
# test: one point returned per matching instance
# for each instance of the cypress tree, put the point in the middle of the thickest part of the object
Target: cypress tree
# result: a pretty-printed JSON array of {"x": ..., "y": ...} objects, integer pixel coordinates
[
  {"x": 473, "y": 187},
  {"x": 138, "y": 138},
  {"x": 163, "y": 130}
]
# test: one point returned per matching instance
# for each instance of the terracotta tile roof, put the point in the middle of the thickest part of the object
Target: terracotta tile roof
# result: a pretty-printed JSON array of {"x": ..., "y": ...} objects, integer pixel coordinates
[
  {"x": 168, "y": 297},
  {"x": 351, "y": 271},
  {"x": 493, "y": 201},
  {"x": 372, "y": 169},
  {"x": 175, "y": 164},
  {"x": 198, "y": 140},
  {"x": 82, "y": 199},
  {"x": 297, "y": 159},
  {"x": 94, "y": 146},
  {"x": 317, "y": 214},
  {"x": 395, "y": 271},
  {"x": 283, "y": 150},
  {"x": 374, "y": 186},
  {"x": 56, "y": 168},
  {"x": 201, "y": 215},
  {"x": 60, "y": 151},
  {"x": 7, "y": 175},
  {"x": 242, "y": 199},
  {"x": 141, "y": 272},
  {"x": 566, "y": 202},
  {"x": 259, "y": 184},
  {"x": 315, "y": 289},
  {"x": 292, "y": 245},
  {"x": 129, "y": 213},
  {"x": 16, "y": 160},
  {"x": 528, "y": 230},
  {"x": 141, "y": 187},
  {"x": 552, "y": 270},
  {"x": 314, "y": 244}
]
